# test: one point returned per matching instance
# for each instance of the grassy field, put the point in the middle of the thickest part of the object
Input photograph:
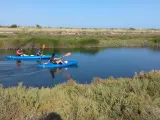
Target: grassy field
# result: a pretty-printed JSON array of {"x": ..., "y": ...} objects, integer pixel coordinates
[
  {"x": 49, "y": 29},
  {"x": 11, "y": 38},
  {"x": 136, "y": 98}
]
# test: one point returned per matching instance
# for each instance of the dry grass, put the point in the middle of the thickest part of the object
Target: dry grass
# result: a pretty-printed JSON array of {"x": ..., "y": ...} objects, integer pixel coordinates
[
  {"x": 112, "y": 99},
  {"x": 21, "y": 29}
]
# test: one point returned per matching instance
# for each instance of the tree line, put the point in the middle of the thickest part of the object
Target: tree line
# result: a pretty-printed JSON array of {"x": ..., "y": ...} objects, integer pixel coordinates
[{"x": 15, "y": 26}]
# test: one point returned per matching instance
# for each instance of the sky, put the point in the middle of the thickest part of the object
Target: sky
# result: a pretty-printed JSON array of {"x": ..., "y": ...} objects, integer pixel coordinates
[{"x": 81, "y": 13}]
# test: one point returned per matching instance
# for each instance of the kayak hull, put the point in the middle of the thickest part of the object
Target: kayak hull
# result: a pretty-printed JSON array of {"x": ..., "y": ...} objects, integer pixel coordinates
[
  {"x": 51, "y": 65},
  {"x": 29, "y": 57}
]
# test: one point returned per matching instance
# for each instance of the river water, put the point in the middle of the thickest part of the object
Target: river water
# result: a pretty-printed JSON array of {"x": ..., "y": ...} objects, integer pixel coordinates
[{"x": 92, "y": 62}]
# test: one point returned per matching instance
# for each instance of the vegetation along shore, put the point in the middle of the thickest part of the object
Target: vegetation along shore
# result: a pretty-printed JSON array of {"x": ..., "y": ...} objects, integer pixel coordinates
[
  {"x": 11, "y": 38},
  {"x": 108, "y": 99}
]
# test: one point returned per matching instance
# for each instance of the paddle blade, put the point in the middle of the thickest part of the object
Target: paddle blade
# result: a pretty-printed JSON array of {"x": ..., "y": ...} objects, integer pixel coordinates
[
  {"x": 43, "y": 46},
  {"x": 68, "y": 54}
]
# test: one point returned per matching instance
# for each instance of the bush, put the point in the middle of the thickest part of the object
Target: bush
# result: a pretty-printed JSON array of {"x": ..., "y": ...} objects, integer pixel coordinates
[
  {"x": 132, "y": 28},
  {"x": 13, "y": 26},
  {"x": 38, "y": 26},
  {"x": 89, "y": 41},
  {"x": 124, "y": 98}
]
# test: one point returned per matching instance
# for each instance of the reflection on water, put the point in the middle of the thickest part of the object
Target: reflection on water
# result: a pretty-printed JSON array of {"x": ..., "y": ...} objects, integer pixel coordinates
[
  {"x": 68, "y": 76},
  {"x": 94, "y": 62},
  {"x": 90, "y": 51},
  {"x": 55, "y": 71},
  {"x": 19, "y": 63}
]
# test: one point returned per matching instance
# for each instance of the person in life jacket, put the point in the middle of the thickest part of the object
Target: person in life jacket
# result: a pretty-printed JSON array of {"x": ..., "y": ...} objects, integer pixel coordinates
[
  {"x": 39, "y": 52},
  {"x": 19, "y": 52},
  {"x": 54, "y": 60}
]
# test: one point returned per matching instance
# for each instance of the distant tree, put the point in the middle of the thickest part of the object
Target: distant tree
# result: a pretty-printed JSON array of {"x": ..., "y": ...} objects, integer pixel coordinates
[
  {"x": 154, "y": 29},
  {"x": 13, "y": 26},
  {"x": 132, "y": 29},
  {"x": 38, "y": 26}
]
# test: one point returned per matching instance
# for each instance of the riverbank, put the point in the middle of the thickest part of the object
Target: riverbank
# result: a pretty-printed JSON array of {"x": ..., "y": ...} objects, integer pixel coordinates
[
  {"x": 11, "y": 38},
  {"x": 123, "y": 98}
]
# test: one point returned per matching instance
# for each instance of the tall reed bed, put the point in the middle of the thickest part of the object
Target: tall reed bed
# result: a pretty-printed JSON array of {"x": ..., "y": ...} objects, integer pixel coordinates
[{"x": 70, "y": 41}]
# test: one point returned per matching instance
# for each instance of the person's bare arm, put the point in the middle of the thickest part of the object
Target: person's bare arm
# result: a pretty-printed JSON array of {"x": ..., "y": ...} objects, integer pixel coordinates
[
  {"x": 47, "y": 62},
  {"x": 57, "y": 58}
]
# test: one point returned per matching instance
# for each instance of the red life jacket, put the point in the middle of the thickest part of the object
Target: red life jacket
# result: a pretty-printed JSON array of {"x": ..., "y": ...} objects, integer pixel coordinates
[{"x": 18, "y": 53}]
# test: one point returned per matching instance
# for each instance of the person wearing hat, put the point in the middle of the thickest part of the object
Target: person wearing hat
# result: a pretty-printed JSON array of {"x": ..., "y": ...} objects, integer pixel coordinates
[{"x": 54, "y": 60}]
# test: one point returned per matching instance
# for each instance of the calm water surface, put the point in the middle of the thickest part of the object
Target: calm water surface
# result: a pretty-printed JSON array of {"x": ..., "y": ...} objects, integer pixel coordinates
[{"x": 97, "y": 62}]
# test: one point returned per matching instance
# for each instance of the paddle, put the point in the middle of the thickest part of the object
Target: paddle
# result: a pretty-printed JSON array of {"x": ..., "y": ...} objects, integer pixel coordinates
[
  {"x": 43, "y": 46},
  {"x": 68, "y": 54}
]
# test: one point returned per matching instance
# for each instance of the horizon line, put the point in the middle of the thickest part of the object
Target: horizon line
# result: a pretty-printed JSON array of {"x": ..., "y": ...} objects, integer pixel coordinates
[{"x": 30, "y": 26}]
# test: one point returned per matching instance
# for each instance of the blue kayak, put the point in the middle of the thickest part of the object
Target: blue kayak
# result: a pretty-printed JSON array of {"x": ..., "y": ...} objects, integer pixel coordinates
[
  {"x": 65, "y": 64},
  {"x": 29, "y": 57}
]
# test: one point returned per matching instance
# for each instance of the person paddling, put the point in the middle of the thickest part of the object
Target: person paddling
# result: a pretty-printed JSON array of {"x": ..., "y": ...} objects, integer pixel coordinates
[
  {"x": 19, "y": 52},
  {"x": 39, "y": 52},
  {"x": 54, "y": 60}
]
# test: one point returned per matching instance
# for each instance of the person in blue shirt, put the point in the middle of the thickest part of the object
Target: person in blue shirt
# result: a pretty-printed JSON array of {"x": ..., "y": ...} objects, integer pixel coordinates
[{"x": 39, "y": 52}]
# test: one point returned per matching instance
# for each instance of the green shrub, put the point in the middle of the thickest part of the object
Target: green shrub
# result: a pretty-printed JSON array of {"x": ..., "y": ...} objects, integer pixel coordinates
[
  {"x": 13, "y": 26},
  {"x": 88, "y": 42},
  {"x": 123, "y": 98},
  {"x": 38, "y": 26},
  {"x": 3, "y": 36}
]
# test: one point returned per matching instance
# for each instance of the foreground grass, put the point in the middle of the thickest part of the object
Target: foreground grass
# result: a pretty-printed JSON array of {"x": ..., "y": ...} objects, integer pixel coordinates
[{"x": 124, "y": 98}]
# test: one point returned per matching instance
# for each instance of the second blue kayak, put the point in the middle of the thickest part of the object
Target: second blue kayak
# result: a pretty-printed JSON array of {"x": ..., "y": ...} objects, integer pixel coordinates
[
  {"x": 65, "y": 64},
  {"x": 29, "y": 57}
]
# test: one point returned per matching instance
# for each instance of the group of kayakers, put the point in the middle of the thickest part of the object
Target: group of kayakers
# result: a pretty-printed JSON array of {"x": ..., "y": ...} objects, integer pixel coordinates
[
  {"x": 53, "y": 60},
  {"x": 20, "y": 53}
]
